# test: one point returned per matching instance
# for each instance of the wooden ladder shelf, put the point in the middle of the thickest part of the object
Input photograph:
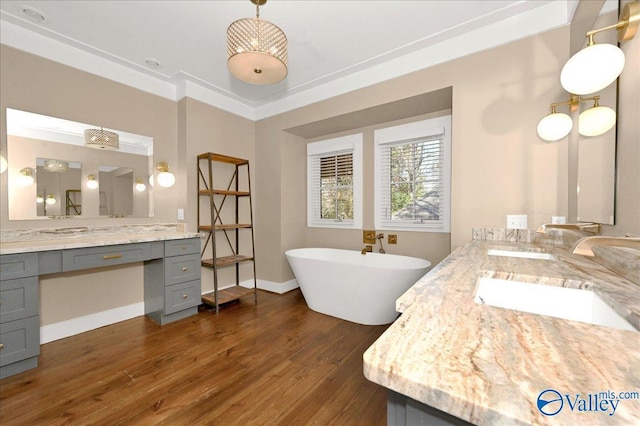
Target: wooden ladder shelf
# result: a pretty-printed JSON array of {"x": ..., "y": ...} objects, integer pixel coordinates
[{"x": 211, "y": 202}]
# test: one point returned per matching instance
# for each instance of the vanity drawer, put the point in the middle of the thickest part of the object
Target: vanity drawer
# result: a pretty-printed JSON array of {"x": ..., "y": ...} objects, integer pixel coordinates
[
  {"x": 20, "y": 340},
  {"x": 18, "y": 265},
  {"x": 181, "y": 296},
  {"x": 18, "y": 299},
  {"x": 179, "y": 269},
  {"x": 180, "y": 247},
  {"x": 95, "y": 257}
]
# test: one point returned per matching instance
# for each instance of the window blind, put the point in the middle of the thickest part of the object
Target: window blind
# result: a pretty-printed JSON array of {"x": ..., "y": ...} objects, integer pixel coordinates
[
  {"x": 412, "y": 177},
  {"x": 332, "y": 186}
]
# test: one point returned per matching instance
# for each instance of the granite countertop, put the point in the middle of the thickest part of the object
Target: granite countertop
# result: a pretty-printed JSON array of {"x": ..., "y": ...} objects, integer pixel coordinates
[
  {"x": 488, "y": 365},
  {"x": 26, "y": 241}
]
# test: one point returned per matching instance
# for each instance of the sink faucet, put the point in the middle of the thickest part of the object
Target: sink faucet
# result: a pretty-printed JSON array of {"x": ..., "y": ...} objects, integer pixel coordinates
[
  {"x": 591, "y": 228},
  {"x": 585, "y": 245}
]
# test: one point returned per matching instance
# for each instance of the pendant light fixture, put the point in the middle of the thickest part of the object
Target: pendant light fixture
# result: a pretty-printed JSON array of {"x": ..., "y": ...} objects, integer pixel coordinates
[
  {"x": 101, "y": 139},
  {"x": 598, "y": 65},
  {"x": 256, "y": 49}
]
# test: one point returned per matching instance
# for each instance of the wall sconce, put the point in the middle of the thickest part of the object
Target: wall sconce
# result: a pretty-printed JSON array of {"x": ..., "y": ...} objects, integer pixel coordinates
[
  {"x": 165, "y": 178},
  {"x": 26, "y": 176},
  {"x": 39, "y": 199},
  {"x": 51, "y": 199},
  {"x": 140, "y": 186},
  {"x": 594, "y": 121},
  {"x": 598, "y": 65},
  {"x": 92, "y": 183}
]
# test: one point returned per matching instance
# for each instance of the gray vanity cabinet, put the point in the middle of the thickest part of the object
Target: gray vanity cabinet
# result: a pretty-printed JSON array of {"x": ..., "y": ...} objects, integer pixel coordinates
[
  {"x": 172, "y": 283},
  {"x": 171, "y": 288},
  {"x": 19, "y": 313}
]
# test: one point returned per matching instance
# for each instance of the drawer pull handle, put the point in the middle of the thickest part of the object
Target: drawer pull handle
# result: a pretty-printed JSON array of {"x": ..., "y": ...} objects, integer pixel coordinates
[
  {"x": 185, "y": 269},
  {"x": 184, "y": 296},
  {"x": 112, "y": 256}
]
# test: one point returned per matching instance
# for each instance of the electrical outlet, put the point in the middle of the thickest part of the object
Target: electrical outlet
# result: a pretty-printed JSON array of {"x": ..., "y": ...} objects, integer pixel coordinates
[
  {"x": 516, "y": 221},
  {"x": 558, "y": 219},
  {"x": 180, "y": 214}
]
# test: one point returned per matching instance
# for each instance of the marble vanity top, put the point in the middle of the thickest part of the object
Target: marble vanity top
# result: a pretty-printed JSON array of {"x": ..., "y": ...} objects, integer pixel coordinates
[
  {"x": 488, "y": 365},
  {"x": 26, "y": 241}
]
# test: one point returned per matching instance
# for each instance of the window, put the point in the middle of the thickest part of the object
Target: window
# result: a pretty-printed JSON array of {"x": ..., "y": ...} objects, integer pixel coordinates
[
  {"x": 412, "y": 167},
  {"x": 334, "y": 182}
]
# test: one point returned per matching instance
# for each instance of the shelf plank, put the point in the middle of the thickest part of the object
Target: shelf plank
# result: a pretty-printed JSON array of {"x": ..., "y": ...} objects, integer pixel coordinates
[
  {"x": 226, "y": 295},
  {"x": 222, "y": 227},
  {"x": 225, "y": 261},
  {"x": 223, "y": 158},
  {"x": 223, "y": 192}
]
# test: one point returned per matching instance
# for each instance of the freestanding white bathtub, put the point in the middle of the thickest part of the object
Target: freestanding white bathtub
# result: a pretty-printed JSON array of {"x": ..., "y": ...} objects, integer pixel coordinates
[{"x": 352, "y": 286}]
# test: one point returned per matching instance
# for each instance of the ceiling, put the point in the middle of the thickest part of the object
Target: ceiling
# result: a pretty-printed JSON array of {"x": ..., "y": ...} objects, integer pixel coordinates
[{"x": 334, "y": 46}]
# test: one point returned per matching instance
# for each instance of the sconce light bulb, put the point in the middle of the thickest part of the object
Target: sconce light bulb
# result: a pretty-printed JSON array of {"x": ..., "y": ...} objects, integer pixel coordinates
[
  {"x": 140, "y": 186},
  {"x": 555, "y": 126},
  {"x": 92, "y": 183},
  {"x": 3, "y": 164},
  {"x": 592, "y": 69},
  {"x": 166, "y": 179},
  {"x": 39, "y": 199},
  {"x": 51, "y": 199},
  {"x": 26, "y": 176},
  {"x": 596, "y": 121}
]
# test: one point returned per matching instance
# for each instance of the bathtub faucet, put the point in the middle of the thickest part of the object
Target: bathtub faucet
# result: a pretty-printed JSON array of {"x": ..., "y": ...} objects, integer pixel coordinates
[
  {"x": 379, "y": 237},
  {"x": 367, "y": 249}
]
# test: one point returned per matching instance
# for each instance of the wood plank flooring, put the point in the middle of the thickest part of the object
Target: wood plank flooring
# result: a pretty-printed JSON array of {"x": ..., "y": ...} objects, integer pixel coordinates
[{"x": 274, "y": 363}]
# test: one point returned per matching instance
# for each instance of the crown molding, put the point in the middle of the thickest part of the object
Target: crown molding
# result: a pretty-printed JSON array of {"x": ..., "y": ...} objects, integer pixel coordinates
[{"x": 531, "y": 22}]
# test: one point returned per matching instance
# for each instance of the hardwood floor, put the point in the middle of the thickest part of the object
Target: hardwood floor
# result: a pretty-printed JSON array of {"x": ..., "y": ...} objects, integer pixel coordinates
[{"x": 276, "y": 362}]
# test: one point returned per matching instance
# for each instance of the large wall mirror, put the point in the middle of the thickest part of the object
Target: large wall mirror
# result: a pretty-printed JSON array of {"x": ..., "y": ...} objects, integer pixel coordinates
[
  {"x": 597, "y": 154},
  {"x": 53, "y": 173}
]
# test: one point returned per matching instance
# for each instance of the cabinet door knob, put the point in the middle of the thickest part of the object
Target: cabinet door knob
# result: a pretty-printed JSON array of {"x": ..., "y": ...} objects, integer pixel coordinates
[
  {"x": 184, "y": 296},
  {"x": 184, "y": 247},
  {"x": 1, "y": 346},
  {"x": 185, "y": 269}
]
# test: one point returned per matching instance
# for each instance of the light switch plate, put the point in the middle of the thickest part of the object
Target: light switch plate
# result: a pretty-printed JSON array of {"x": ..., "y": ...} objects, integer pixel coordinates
[
  {"x": 558, "y": 219},
  {"x": 180, "y": 214}
]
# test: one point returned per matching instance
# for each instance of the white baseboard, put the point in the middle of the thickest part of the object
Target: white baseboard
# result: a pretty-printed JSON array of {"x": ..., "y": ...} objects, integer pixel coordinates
[
  {"x": 62, "y": 329},
  {"x": 279, "y": 288}
]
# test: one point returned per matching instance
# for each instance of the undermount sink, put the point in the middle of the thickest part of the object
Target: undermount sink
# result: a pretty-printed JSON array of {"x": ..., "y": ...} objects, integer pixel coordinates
[
  {"x": 521, "y": 254},
  {"x": 560, "y": 302}
]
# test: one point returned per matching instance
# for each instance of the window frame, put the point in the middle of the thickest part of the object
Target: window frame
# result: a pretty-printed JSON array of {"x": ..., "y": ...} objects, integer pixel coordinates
[
  {"x": 395, "y": 135},
  {"x": 335, "y": 146}
]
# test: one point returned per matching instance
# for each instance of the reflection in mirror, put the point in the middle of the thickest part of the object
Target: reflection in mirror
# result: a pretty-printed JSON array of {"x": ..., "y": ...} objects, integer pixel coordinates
[
  {"x": 70, "y": 175},
  {"x": 116, "y": 194},
  {"x": 597, "y": 154},
  {"x": 58, "y": 187}
]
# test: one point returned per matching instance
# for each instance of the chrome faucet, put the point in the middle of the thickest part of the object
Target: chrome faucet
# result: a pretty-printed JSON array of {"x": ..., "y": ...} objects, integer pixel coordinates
[
  {"x": 585, "y": 245},
  {"x": 591, "y": 228}
]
